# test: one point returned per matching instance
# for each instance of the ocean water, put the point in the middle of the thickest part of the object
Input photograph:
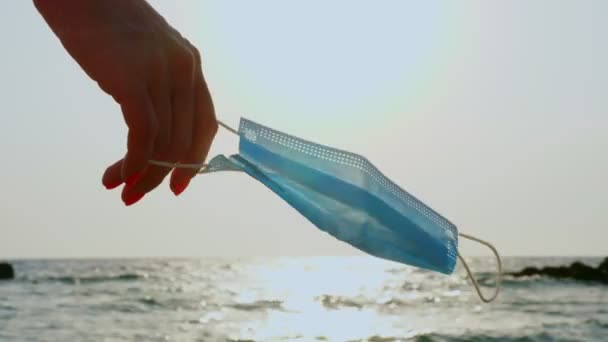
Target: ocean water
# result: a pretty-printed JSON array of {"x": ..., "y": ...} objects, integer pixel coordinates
[{"x": 292, "y": 299}]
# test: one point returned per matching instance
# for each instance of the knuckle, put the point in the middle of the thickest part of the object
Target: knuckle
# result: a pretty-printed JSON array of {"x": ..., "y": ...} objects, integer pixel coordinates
[
  {"x": 184, "y": 60},
  {"x": 196, "y": 53},
  {"x": 131, "y": 91}
]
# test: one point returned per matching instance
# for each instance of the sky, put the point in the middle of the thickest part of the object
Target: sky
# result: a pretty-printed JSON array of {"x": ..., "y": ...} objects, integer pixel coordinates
[{"x": 493, "y": 113}]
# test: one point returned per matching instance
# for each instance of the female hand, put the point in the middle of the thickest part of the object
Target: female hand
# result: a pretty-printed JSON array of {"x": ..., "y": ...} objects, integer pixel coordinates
[{"x": 153, "y": 73}]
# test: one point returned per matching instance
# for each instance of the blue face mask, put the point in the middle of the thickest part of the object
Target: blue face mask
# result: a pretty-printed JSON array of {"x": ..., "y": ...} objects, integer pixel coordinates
[{"x": 344, "y": 195}]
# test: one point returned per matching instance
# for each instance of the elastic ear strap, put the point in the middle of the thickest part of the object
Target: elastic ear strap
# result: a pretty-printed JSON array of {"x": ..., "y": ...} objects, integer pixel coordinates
[
  {"x": 200, "y": 166},
  {"x": 228, "y": 127},
  {"x": 498, "y": 265}
]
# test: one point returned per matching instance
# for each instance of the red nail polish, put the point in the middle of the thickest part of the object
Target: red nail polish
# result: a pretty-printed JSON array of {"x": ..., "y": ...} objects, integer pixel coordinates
[
  {"x": 178, "y": 188},
  {"x": 112, "y": 185},
  {"x": 132, "y": 179},
  {"x": 133, "y": 198}
]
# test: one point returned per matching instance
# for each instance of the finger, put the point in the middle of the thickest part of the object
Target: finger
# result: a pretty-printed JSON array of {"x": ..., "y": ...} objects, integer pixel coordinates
[
  {"x": 161, "y": 100},
  {"x": 140, "y": 117},
  {"x": 181, "y": 127},
  {"x": 112, "y": 177},
  {"x": 154, "y": 175},
  {"x": 149, "y": 179},
  {"x": 182, "y": 92},
  {"x": 203, "y": 131}
]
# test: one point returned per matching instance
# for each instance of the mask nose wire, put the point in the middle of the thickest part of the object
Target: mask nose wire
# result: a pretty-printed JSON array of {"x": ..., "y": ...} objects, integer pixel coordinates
[
  {"x": 470, "y": 274},
  {"x": 200, "y": 166}
]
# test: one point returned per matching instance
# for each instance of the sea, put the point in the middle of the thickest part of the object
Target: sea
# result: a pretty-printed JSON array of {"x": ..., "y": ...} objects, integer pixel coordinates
[{"x": 355, "y": 298}]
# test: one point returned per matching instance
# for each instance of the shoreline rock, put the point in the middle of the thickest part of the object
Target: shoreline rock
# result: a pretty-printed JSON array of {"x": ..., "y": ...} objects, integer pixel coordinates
[
  {"x": 7, "y": 272},
  {"x": 576, "y": 271}
]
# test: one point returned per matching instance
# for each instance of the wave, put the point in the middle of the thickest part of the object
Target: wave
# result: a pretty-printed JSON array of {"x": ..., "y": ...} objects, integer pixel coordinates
[
  {"x": 596, "y": 323},
  {"x": 336, "y": 302},
  {"x": 149, "y": 301},
  {"x": 259, "y": 305},
  {"x": 124, "y": 277}
]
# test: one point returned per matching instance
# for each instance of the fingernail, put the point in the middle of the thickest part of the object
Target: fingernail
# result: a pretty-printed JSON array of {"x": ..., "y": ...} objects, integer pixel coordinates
[
  {"x": 132, "y": 179},
  {"x": 178, "y": 188},
  {"x": 112, "y": 185},
  {"x": 133, "y": 198}
]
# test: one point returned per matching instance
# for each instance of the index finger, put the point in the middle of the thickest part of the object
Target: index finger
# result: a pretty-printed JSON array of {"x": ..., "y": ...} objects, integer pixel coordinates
[{"x": 140, "y": 118}]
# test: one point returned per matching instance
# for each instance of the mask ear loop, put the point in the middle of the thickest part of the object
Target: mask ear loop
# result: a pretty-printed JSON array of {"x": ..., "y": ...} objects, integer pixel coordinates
[
  {"x": 470, "y": 274},
  {"x": 232, "y": 130},
  {"x": 201, "y": 167}
]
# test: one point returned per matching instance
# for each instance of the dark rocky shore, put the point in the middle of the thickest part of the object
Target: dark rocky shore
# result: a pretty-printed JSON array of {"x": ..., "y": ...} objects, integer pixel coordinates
[{"x": 576, "y": 271}]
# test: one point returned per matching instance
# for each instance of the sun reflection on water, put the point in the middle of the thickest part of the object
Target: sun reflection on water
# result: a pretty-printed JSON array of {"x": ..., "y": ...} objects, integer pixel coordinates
[{"x": 329, "y": 298}]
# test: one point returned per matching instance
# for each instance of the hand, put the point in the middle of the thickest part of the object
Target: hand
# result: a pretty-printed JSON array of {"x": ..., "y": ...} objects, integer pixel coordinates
[{"x": 153, "y": 73}]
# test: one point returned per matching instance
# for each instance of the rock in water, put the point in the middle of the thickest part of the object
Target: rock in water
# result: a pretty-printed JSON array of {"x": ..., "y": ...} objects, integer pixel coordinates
[
  {"x": 6, "y": 271},
  {"x": 603, "y": 267},
  {"x": 528, "y": 271},
  {"x": 581, "y": 271}
]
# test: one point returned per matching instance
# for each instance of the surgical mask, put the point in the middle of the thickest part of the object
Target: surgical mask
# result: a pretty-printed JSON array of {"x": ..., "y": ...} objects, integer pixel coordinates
[{"x": 344, "y": 195}]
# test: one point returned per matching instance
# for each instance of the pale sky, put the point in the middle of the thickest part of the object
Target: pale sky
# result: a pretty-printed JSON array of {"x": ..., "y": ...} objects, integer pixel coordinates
[{"x": 493, "y": 113}]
